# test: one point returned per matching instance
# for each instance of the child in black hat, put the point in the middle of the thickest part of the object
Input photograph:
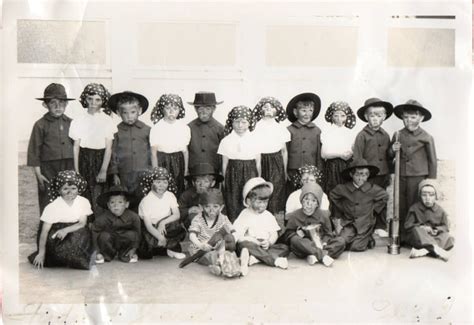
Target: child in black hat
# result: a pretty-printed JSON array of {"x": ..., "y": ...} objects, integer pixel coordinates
[
  {"x": 417, "y": 155},
  {"x": 50, "y": 150},
  {"x": 372, "y": 144},
  {"x": 356, "y": 205},
  {"x": 131, "y": 155},
  {"x": 117, "y": 231}
]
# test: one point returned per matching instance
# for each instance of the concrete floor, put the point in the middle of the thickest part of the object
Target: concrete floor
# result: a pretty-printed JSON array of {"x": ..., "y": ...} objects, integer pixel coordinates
[{"x": 359, "y": 287}]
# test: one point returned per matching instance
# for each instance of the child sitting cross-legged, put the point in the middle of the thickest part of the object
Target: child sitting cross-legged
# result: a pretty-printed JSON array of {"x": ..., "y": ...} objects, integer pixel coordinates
[
  {"x": 256, "y": 228},
  {"x": 309, "y": 231}
]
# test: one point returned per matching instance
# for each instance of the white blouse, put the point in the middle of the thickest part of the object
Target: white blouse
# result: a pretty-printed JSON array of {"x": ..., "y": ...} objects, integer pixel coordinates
[
  {"x": 237, "y": 147},
  {"x": 60, "y": 211},
  {"x": 336, "y": 140},
  {"x": 93, "y": 130},
  {"x": 271, "y": 136},
  {"x": 157, "y": 208},
  {"x": 170, "y": 137}
]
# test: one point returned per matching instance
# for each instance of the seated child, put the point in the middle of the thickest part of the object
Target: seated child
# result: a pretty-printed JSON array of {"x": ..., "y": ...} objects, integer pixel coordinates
[
  {"x": 203, "y": 176},
  {"x": 427, "y": 224},
  {"x": 356, "y": 204},
  {"x": 306, "y": 174},
  {"x": 325, "y": 247},
  {"x": 159, "y": 211},
  {"x": 116, "y": 232},
  {"x": 206, "y": 225},
  {"x": 64, "y": 239},
  {"x": 256, "y": 228}
]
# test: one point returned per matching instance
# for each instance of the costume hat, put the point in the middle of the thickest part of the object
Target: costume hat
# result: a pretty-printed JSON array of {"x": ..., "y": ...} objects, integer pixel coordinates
[
  {"x": 103, "y": 199},
  {"x": 359, "y": 163},
  {"x": 412, "y": 105},
  {"x": 372, "y": 102},
  {"x": 55, "y": 91},
  {"x": 303, "y": 97},
  {"x": 114, "y": 99},
  {"x": 253, "y": 183},
  {"x": 201, "y": 169},
  {"x": 205, "y": 98}
]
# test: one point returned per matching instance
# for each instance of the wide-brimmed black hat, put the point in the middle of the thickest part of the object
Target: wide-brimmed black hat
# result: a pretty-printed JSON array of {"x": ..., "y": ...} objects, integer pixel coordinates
[
  {"x": 412, "y": 105},
  {"x": 113, "y": 100},
  {"x": 201, "y": 169},
  {"x": 372, "y": 102},
  {"x": 303, "y": 97},
  {"x": 359, "y": 163},
  {"x": 205, "y": 98},
  {"x": 55, "y": 91},
  {"x": 103, "y": 199}
]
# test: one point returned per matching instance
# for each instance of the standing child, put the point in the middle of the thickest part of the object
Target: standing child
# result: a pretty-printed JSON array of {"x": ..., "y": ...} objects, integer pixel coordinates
[
  {"x": 417, "y": 155},
  {"x": 305, "y": 145},
  {"x": 240, "y": 158},
  {"x": 426, "y": 226},
  {"x": 325, "y": 247},
  {"x": 337, "y": 141},
  {"x": 372, "y": 144},
  {"x": 272, "y": 138},
  {"x": 169, "y": 138},
  {"x": 63, "y": 238},
  {"x": 160, "y": 214},
  {"x": 206, "y": 132},
  {"x": 93, "y": 135},
  {"x": 50, "y": 150},
  {"x": 116, "y": 232},
  {"x": 356, "y": 204},
  {"x": 256, "y": 228},
  {"x": 131, "y": 155}
]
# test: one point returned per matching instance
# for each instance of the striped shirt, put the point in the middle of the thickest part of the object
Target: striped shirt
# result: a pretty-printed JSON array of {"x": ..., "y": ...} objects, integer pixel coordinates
[{"x": 205, "y": 231}]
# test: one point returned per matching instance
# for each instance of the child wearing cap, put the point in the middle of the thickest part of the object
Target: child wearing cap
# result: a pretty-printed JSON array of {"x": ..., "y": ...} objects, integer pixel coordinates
[
  {"x": 50, "y": 150},
  {"x": 417, "y": 155},
  {"x": 162, "y": 232},
  {"x": 131, "y": 155},
  {"x": 169, "y": 138},
  {"x": 93, "y": 134},
  {"x": 206, "y": 132},
  {"x": 272, "y": 137},
  {"x": 337, "y": 140},
  {"x": 426, "y": 225},
  {"x": 240, "y": 158},
  {"x": 116, "y": 232},
  {"x": 202, "y": 176},
  {"x": 356, "y": 204},
  {"x": 256, "y": 228},
  {"x": 372, "y": 144},
  {"x": 325, "y": 247},
  {"x": 63, "y": 238},
  {"x": 304, "y": 148}
]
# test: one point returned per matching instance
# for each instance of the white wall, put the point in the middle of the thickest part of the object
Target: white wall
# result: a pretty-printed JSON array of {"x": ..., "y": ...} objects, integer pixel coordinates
[{"x": 252, "y": 73}]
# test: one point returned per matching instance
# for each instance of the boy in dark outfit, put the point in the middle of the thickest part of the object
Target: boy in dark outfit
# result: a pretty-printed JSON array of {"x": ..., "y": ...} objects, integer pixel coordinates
[
  {"x": 417, "y": 155},
  {"x": 356, "y": 204},
  {"x": 117, "y": 231},
  {"x": 50, "y": 149}
]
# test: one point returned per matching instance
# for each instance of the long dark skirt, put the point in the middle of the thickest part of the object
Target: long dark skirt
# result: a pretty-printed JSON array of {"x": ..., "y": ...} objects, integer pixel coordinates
[
  {"x": 74, "y": 251},
  {"x": 174, "y": 163},
  {"x": 175, "y": 234},
  {"x": 90, "y": 162},
  {"x": 273, "y": 171},
  {"x": 238, "y": 172},
  {"x": 332, "y": 173}
]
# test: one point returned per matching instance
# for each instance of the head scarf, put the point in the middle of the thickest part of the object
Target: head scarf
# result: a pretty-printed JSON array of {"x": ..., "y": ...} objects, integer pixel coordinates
[
  {"x": 63, "y": 177},
  {"x": 428, "y": 182},
  {"x": 157, "y": 113},
  {"x": 280, "y": 111},
  {"x": 96, "y": 89},
  {"x": 341, "y": 106},
  {"x": 147, "y": 179},
  {"x": 314, "y": 189},
  {"x": 310, "y": 169},
  {"x": 236, "y": 113}
]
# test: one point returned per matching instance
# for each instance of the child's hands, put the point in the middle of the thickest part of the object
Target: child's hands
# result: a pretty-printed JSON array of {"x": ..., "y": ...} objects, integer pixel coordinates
[
  {"x": 102, "y": 176},
  {"x": 161, "y": 241},
  {"x": 38, "y": 262},
  {"x": 162, "y": 229},
  {"x": 61, "y": 234},
  {"x": 396, "y": 146},
  {"x": 116, "y": 180},
  {"x": 205, "y": 247},
  {"x": 265, "y": 244},
  {"x": 194, "y": 210},
  {"x": 300, "y": 232},
  {"x": 347, "y": 155},
  {"x": 41, "y": 181}
]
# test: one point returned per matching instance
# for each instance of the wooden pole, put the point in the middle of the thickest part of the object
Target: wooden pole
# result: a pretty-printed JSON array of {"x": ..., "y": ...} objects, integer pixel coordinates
[{"x": 394, "y": 225}]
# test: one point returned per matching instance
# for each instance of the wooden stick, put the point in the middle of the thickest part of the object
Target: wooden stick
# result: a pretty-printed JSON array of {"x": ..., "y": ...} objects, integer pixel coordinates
[{"x": 394, "y": 244}]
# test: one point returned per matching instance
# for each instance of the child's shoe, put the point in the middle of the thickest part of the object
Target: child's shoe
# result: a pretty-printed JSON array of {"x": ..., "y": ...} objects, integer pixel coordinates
[
  {"x": 414, "y": 253},
  {"x": 253, "y": 260},
  {"x": 441, "y": 253},
  {"x": 215, "y": 269},
  {"x": 311, "y": 259},
  {"x": 244, "y": 262},
  {"x": 281, "y": 262},
  {"x": 382, "y": 233},
  {"x": 327, "y": 260},
  {"x": 99, "y": 259},
  {"x": 371, "y": 243},
  {"x": 133, "y": 259},
  {"x": 176, "y": 255}
]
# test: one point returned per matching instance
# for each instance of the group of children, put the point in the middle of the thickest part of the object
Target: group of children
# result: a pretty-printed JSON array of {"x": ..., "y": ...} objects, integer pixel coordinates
[{"x": 273, "y": 189}]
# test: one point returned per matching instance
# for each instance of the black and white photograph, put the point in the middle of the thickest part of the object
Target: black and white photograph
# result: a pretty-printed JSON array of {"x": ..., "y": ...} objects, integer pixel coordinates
[{"x": 236, "y": 161}]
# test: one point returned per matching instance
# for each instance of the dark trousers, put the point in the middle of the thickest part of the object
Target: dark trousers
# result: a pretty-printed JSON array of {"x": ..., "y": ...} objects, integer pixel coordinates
[
  {"x": 111, "y": 244},
  {"x": 356, "y": 242},
  {"x": 175, "y": 233},
  {"x": 408, "y": 196},
  {"x": 266, "y": 256},
  {"x": 383, "y": 181},
  {"x": 420, "y": 238},
  {"x": 303, "y": 247}
]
